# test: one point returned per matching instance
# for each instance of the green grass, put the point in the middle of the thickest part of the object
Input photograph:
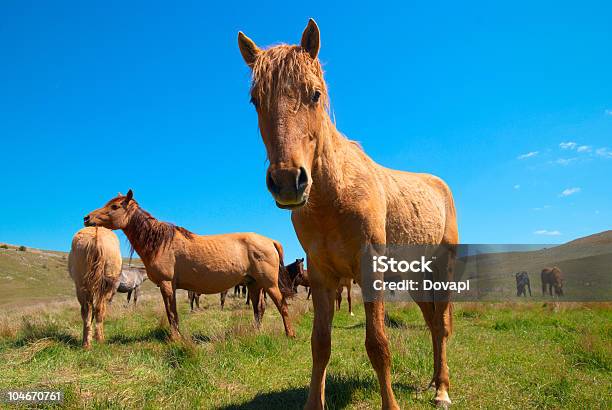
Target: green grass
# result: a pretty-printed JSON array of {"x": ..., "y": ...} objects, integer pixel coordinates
[{"x": 500, "y": 356}]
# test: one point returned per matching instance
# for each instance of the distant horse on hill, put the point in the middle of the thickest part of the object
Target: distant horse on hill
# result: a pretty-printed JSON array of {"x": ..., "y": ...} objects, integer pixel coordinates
[
  {"x": 552, "y": 278},
  {"x": 522, "y": 282}
]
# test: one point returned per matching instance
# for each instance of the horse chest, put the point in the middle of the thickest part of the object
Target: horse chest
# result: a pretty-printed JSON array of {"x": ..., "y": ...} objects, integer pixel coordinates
[{"x": 333, "y": 244}]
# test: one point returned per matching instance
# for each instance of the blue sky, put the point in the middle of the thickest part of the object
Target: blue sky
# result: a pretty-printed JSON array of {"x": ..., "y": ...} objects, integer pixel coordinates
[{"x": 96, "y": 99}]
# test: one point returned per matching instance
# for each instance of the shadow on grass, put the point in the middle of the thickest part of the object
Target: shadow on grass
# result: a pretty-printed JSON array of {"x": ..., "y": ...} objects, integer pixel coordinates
[
  {"x": 200, "y": 338},
  {"x": 159, "y": 334},
  {"x": 339, "y": 392},
  {"x": 31, "y": 333}
]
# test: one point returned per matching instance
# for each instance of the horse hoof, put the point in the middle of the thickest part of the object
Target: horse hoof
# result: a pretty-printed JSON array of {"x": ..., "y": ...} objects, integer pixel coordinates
[
  {"x": 352, "y": 314},
  {"x": 442, "y": 400}
]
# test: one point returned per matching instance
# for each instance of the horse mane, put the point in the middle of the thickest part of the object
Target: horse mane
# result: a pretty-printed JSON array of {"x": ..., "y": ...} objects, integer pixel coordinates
[
  {"x": 287, "y": 69},
  {"x": 148, "y": 235}
]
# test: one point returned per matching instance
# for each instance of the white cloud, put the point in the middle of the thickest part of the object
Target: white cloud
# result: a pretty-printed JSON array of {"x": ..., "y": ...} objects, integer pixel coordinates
[
  {"x": 528, "y": 155},
  {"x": 583, "y": 148},
  {"x": 604, "y": 152},
  {"x": 517, "y": 186},
  {"x": 565, "y": 161},
  {"x": 541, "y": 208},
  {"x": 547, "y": 232},
  {"x": 568, "y": 145},
  {"x": 570, "y": 191}
]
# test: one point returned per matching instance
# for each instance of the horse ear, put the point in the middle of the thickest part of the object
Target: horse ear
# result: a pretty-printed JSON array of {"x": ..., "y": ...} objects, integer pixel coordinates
[
  {"x": 129, "y": 196},
  {"x": 248, "y": 49},
  {"x": 119, "y": 194},
  {"x": 311, "y": 39}
]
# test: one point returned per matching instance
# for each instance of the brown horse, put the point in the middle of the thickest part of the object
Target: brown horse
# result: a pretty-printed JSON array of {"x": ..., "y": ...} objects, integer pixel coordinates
[
  {"x": 178, "y": 259},
  {"x": 342, "y": 202},
  {"x": 295, "y": 270},
  {"x": 345, "y": 283},
  {"x": 94, "y": 264},
  {"x": 552, "y": 278}
]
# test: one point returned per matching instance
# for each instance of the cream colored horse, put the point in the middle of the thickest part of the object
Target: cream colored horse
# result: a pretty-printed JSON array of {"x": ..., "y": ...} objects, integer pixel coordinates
[
  {"x": 178, "y": 259},
  {"x": 94, "y": 264},
  {"x": 343, "y": 203}
]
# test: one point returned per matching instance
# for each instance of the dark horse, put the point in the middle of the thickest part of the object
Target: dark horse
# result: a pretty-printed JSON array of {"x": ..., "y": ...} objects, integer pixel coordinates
[
  {"x": 299, "y": 275},
  {"x": 553, "y": 278},
  {"x": 194, "y": 299},
  {"x": 522, "y": 280}
]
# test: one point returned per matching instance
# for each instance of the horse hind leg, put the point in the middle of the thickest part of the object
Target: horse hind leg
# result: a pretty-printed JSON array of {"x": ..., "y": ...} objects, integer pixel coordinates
[
  {"x": 349, "y": 300},
  {"x": 100, "y": 313},
  {"x": 86, "y": 315},
  {"x": 442, "y": 328},
  {"x": 281, "y": 304},
  {"x": 222, "y": 297}
]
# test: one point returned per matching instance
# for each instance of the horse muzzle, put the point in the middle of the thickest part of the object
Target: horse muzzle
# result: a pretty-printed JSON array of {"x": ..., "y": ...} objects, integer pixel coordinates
[
  {"x": 289, "y": 186},
  {"x": 88, "y": 222}
]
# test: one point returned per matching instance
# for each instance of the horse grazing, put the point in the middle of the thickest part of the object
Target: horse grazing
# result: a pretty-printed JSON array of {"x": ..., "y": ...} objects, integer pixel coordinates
[
  {"x": 553, "y": 278},
  {"x": 344, "y": 283},
  {"x": 130, "y": 281},
  {"x": 176, "y": 258},
  {"x": 343, "y": 204},
  {"x": 522, "y": 281},
  {"x": 94, "y": 264}
]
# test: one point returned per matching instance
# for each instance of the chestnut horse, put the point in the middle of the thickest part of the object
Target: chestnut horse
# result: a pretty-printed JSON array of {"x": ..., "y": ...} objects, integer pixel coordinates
[
  {"x": 94, "y": 264},
  {"x": 552, "y": 278},
  {"x": 343, "y": 203},
  {"x": 178, "y": 259}
]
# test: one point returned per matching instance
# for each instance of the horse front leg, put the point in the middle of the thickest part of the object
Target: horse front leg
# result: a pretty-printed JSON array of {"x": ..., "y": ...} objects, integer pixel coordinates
[
  {"x": 320, "y": 342},
  {"x": 169, "y": 296},
  {"x": 377, "y": 346}
]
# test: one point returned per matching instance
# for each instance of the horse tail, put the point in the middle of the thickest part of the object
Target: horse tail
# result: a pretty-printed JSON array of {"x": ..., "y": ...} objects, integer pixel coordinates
[
  {"x": 284, "y": 280},
  {"x": 95, "y": 277}
]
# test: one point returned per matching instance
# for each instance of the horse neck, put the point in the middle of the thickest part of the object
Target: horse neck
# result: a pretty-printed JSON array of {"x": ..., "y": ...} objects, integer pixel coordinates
[
  {"x": 134, "y": 235},
  {"x": 329, "y": 172}
]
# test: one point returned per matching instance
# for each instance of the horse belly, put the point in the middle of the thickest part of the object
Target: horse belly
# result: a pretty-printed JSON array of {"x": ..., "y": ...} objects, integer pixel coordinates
[{"x": 207, "y": 279}]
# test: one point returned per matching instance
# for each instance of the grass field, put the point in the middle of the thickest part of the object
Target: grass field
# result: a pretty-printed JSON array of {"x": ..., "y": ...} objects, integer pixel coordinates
[{"x": 500, "y": 356}]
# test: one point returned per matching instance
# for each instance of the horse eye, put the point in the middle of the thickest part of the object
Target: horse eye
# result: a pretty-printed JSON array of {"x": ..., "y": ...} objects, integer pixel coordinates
[
  {"x": 114, "y": 207},
  {"x": 316, "y": 96}
]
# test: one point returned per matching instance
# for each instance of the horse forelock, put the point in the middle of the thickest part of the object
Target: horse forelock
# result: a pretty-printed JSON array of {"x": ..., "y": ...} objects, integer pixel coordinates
[{"x": 287, "y": 69}]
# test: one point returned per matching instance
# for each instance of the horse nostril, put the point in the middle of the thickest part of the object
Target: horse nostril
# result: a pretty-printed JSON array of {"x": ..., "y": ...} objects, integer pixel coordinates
[
  {"x": 302, "y": 179},
  {"x": 271, "y": 184},
  {"x": 86, "y": 219}
]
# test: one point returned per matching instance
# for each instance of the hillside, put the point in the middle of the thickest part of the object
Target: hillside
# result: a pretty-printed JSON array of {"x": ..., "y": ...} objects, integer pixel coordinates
[
  {"x": 586, "y": 264},
  {"x": 34, "y": 276}
]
